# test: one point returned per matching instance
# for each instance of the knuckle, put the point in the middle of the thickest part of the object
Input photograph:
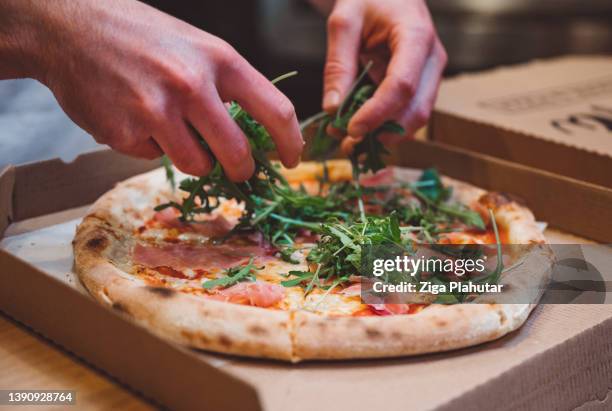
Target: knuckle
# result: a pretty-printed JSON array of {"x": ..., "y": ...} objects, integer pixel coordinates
[
  {"x": 338, "y": 22},
  {"x": 405, "y": 86},
  {"x": 285, "y": 111},
  {"x": 421, "y": 116},
  {"x": 123, "y": 144},
  {"x": 334, "y": 68},
  {"x": 423, "y": 33},
  {"x": 152, "y": 108},
  {"x": 185, "y": 83},
  {"x": 443, "y": 56},
  {"x": 227, "y": 58}
]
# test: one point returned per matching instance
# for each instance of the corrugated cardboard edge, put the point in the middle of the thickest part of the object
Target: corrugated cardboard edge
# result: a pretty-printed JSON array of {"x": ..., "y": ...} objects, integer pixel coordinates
[
  {"x": 448, "y": 128},
  {"x": 521, "y": 66},
  {"x": 7, "y": 182},
  {"x": 521, "y": 132},
  {"x": 53, "y": 185},
  {"x": 580, "y": 366}
]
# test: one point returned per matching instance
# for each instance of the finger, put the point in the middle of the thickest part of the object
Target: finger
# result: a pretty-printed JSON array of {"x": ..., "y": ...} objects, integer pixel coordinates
[
  {"x": 420, "y": 108},
  {"x": 135, "y": 147},
  {"x": 183, "y": 148},
  {"x": 148, "y": 149},
  {"x": 409, "y": 52},
  {"x": 348, "y": 145},
  {"x": 261, "y": 99},
  {"x": 341, "y": 63},
  {"x": 225, "y": 139},
  {"x": 334, "y": 132}
]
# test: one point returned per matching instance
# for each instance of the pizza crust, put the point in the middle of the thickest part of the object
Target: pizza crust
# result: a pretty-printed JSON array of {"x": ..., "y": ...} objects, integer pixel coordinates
[
  {"x": 296, "y": 335},
  {"x": 437, "y": 328},
  {"x": 183, "y": 318}
]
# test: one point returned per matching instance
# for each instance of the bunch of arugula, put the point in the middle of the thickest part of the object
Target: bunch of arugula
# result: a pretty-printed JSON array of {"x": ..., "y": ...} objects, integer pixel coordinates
[
  {"x": 338, "y": 253},
  {"x": 369, "y": 150},
  {"x": 205, "y": 192}
]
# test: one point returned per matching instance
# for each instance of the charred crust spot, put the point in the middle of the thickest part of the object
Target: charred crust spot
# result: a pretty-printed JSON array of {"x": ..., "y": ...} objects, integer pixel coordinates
[
  {"x": 225, "y": 341},
  {"x": 396, "y": 335},
  {"x": 373, "y": 333},
  {"x": 194, "y": 337},
  {"x": 322, "y": 325},
  {"x": 257, "y": 330},
  {"x": 120, "y": 307},
  {"x": 162, "y": 291},
  {"x": 98, "y": 243},
  {"x": 187, "y": 335},
  {"x": 441, "y": 323},
  {"x": 494, "y": 199},
  {"x": 502, "y": 317}
]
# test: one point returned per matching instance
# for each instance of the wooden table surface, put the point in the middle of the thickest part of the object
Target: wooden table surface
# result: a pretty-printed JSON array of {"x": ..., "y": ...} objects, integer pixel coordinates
[{"x": 29, "y": 362}]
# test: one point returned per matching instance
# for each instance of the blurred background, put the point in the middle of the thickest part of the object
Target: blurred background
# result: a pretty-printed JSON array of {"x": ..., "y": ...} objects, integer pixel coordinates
[{"x": 277, "y": 36}]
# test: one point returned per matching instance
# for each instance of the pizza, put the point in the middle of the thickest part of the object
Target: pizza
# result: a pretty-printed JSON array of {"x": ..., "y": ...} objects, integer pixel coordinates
[{"x": 212, "y": 283}]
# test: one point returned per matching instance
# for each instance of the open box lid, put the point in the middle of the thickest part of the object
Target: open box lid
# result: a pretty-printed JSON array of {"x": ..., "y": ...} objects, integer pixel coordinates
[
  {"x": 552, "y": 114},
  {"x": 529, "y": 368}
]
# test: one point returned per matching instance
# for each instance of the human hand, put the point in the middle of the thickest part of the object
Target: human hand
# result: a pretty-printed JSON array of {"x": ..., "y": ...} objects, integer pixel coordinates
[
  {"x": 398, "y": 36},
  {"x": 136, "y": 78}
]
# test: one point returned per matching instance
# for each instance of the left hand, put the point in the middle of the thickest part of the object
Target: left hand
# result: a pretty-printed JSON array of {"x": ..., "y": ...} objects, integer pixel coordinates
[{"x": 400, "y": 39}]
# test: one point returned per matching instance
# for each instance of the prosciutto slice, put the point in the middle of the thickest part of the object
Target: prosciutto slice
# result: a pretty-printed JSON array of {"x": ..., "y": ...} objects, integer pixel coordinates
[
  {"x": 206, "y": 256},
  {"x": 258, "y": 293},
  {"x": 214, "y": 227},
  {"x": 383, "y": 177}
]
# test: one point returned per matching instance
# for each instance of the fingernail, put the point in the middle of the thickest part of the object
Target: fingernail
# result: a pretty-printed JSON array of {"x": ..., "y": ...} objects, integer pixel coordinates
[{"x": 332, "y": 99}]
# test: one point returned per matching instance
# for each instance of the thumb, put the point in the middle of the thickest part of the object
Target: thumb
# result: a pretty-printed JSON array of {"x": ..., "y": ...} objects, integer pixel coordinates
[{"x": 343, "y": 43}]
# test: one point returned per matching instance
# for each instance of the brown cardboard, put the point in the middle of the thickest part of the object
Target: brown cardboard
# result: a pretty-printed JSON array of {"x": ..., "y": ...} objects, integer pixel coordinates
[
  {"x": 52, "y": 185},
  {"x": 562, "y": 358},
  {"x": 164, "y": 372},
  {"x": 7, "y": 181},
  {"x": 555, "y": 115}
]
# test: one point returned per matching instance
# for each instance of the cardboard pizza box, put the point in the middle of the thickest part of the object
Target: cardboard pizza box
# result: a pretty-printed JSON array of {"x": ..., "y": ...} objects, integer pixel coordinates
[
  {"x": 555, "y": 115},
  {"x": 561, "y": 358}
]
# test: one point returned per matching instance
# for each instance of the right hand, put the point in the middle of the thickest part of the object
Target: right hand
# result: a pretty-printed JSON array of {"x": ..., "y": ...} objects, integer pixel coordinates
[{"x": 134, "y": 78}]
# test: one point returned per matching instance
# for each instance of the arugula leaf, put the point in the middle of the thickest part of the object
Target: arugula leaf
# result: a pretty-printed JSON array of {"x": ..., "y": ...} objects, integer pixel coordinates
[
  {"x": 300, "y": 277},
  {"x": 233, "y": 276},
  {"x": 169, "y": 171},
  {"x": 493, "y": 278},
  {"x": 431, "y": 186}
]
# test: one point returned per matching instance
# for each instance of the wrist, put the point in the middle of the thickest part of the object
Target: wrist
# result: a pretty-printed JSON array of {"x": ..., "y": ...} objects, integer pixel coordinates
[{"x": 21, "y": 40}]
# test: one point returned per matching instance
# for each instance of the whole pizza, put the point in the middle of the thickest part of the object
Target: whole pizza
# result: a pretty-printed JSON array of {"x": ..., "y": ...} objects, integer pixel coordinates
[{"x": 277, "y": 275}]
